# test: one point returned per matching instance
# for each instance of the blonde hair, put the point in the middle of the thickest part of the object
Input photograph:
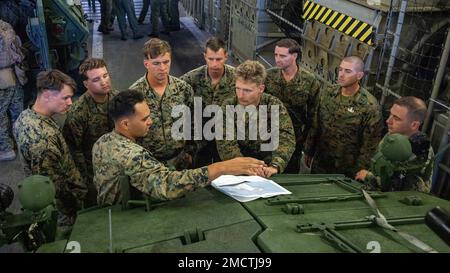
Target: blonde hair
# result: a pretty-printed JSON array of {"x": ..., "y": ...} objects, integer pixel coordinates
[{"x": 252, "y": 71}]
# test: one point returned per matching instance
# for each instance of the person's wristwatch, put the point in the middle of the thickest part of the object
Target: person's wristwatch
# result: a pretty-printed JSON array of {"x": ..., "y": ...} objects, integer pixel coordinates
[{"x": 275, "y": 166}]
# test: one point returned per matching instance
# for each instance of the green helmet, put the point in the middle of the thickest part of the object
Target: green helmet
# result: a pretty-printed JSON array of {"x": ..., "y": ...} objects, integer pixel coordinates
[
  {"x": 393, "y": 151},
  {"x": 396, "y": 148},
  {"x": 36, "y": 192}
]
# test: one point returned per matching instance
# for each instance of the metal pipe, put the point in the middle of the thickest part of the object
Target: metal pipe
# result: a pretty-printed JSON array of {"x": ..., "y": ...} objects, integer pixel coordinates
[
  {"x": 387, "y": 27},
  {"x": 388, "y": 91},
  {"x": 437, "y": 83},
  {"x": 447, "y": 107},
  {"x": 230, "y": 14},
  {"x": 367, "y": 65},
  {"x": 398, "y": 31},
  {"x": 110, "y": 231},
  {"x": 264, "y": 60}
]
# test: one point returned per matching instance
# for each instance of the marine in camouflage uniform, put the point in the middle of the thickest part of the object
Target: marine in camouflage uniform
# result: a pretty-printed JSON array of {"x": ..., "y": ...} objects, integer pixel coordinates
[
  {"x": 414, "y": 174},
  {"x": 115, "y": 155},
  {"x": 42, "y": 147},
  {"x": 159, "y": 139},
  {"x": 229, "y": 149},
  {"x": 86, "y": 121},
  {"x": 162, "y": 94},
  {"x": 44, "y": 151},
  {"x": 202, "y": 86},
  {"x": 299, "y": 96},
  {"x": 213, "y": 83},
  {"x": 405, "y": 118},
  {"x": 345, "y": 132}
]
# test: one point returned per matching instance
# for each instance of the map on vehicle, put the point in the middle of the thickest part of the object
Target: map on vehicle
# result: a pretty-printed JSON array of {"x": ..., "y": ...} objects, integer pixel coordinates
[{"x": 247, "y": 188}]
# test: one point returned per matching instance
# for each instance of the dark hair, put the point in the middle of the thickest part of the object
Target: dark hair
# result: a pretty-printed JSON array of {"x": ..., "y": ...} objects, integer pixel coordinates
[
  {"x": 417, "y": 108},
  {"x": 53, "y": 80},
  {"x": 215, "y": 44},
  {"x": 252, "y": 71},
  {"x": 155, "y": 47},
  {"x": 291, "y": 45},
  {"x": 89, "y": 64},
  {"x": 123, "y": 104}
]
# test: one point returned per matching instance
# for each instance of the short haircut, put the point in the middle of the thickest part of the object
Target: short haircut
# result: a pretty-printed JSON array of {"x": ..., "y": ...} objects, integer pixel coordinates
[
  {"x": 290, "y": 44},
  {"x": 417, "y": 109},
  {"x": 252, "y": 71},
  {"x": 122, "y": 105},
  {"x": 215, "y": 44},
  {"x": 155, "y": 47},
  {"x": 357, "y": 61},
  {"x": 89, "y": 64},
  {"x": 53, "y": 80}
]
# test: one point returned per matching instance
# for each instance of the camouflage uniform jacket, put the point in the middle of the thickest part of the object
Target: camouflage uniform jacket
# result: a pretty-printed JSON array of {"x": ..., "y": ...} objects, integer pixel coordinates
[
  {"x": 414, "y": 174},
  {"x": 114, "y": 155},
  {"x": 299, "y": 95},
  {"x": 201, "y": 84},
  {"x": 86, "y": 122},
  {"x": 159, "y": 139},
  {"x": 345, "y": 132},
  {"x": 229, "y": 149},
  {"x": 44, "y": 151}
]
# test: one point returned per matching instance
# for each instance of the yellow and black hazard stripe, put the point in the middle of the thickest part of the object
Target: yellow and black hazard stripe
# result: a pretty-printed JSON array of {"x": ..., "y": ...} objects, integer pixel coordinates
[{"x": 339, "y": 21}]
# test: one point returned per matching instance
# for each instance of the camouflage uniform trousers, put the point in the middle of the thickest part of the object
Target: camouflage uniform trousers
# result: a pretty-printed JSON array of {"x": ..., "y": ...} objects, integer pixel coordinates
[
  {"x": 106, "y": 7},
  {"x": 174, "y": 14},
  {"x": 144, "y": 10},
  {"x": 11, "y": 105},
  {"x": 125, "y": 9},
  {"x": 159, "y": 8}
]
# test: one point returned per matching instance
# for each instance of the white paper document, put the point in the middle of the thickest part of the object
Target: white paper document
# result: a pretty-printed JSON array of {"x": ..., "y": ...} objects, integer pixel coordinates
[{"x": 247, "y": 188}]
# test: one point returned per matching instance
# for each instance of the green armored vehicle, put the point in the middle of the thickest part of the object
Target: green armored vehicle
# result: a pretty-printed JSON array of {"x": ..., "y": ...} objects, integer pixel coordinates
[{"x": 324, "y": 213}]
